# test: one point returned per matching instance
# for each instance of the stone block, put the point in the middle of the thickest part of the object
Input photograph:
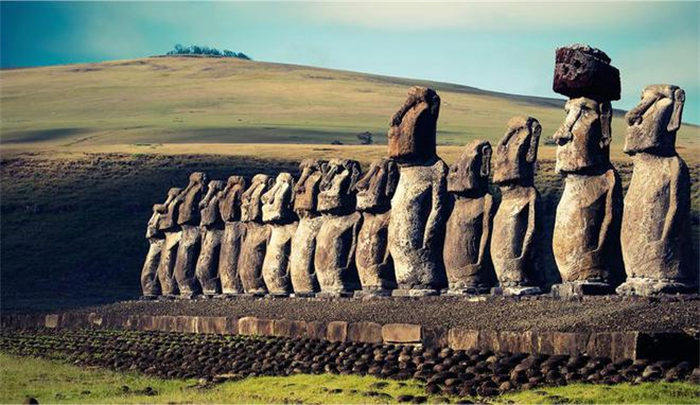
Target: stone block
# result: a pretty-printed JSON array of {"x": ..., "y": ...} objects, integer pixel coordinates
[
  {"x": 624, "y": 345},
  {"x": 365, "y": 332},
  {"x": 144, "y": 323},
  {"x": 600, "y": 344},
  {"x": 515, "y": 342},
  {"x": 337, "y": 331},
  {"x": 569, "y": 343},
  {"x": 52, "y": 321},
  {"x": 95, "y": 319},
  {"x": 545, "y": 342},
  {"x": 402, "y": 333},
  {"x": 583, "y": 71},
  {"x": 489, "y": 340},
  {"x": 435, "y": 337},
  {"x": 248, "y": 326},
  {"x": 463, "y": 339},
  {"x": 211, "y": 324},
  {"x": 317, "y": 330},
  {"x": 186, "y": 324},
  {"x": 290, "y": 329}
]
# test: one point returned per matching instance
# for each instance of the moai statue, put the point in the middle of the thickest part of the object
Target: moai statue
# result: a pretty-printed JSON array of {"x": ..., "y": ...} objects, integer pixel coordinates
[
  {"x": 167, "y": 224},
  {"x": 372, "y": 259},
  {"x": 212, "y": 230},
  {"x": 470, "y": 222},
  {"x": 416, "y": 229},
  {"x": 150, "y": 285},
  {"x": 334, "y": 259},
  {"x": 302, "y": 270},
  {"x": 234, "y": 232},
  {"x": 188, "y": 249},
  {"x": 586, "y": 236},
  {"x": 656, "y": 238},
  {"x": 277, "y": 212},
  {"x": 515, "y": 237},
  {"x": 257, "y": 235}
]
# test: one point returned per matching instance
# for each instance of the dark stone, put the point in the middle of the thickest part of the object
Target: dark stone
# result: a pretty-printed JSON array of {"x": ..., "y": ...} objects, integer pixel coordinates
[{"x": 583, "y": 71}]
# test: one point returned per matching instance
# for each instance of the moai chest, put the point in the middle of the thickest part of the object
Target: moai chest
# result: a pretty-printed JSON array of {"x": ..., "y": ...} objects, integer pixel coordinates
[
  {"x": 372, "y": 249},
  {"x": 464, "y": 231},
  {"x": 510, "y": 223}
]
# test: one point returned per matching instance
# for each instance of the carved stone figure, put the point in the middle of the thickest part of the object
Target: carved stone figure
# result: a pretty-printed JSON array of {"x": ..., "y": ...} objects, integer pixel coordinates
[
  {"x": 234, "y": 232},
  {"x": 277, "y": 211},
  {"x": 188, "y": 249},
  {"x": 167, "y": 223},
  {"x": 416, "y": 229},
  {"x": 656, "y": 238},
  {"x": 257, "y": 235},
  {"x": 515, "y": 238},
  {"x": 372, "y": 259},
  {"x": 470, "y": 222},
  {"x": 150, "y": 285},
  {"x": 334, "y": 258},
  {"x": 212, "y": 229},
  {"x": 302, "y": 270}
]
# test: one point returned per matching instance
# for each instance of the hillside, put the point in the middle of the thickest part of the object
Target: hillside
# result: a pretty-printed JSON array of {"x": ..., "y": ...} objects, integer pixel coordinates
[{"x": 163, "y": 100}]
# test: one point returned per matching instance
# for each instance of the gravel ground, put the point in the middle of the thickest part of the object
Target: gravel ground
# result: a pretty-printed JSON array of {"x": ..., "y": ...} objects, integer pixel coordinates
[{"x": 610, "y": 313}]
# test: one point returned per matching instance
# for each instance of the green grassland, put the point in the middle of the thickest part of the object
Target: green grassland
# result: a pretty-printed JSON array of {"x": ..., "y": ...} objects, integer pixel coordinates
[{"x": 55, "y": 382}]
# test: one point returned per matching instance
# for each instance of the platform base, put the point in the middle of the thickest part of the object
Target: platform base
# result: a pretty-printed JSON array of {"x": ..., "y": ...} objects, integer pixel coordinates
[
  {"x": 580, "y": 289},
  {"x": 335, "y": 294},
  {"x": 423, "y": 292},
  {"x": 516, "y": 291},
  {"x": 303, "y": 295},
  {"x": 379, "y": 293},
  {"x": 649, "y": 287}
]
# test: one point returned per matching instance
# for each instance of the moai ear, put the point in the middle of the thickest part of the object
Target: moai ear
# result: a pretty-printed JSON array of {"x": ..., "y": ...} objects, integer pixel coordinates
[
  {"x": 605, "y": 111},
  {"x": 392, "y": 178},
  {"x": 535, "y": 132},
  {"x": 486, "y": 160},
  {"x": 355, "y": 174},
  {"x": 674, "y": 123}
]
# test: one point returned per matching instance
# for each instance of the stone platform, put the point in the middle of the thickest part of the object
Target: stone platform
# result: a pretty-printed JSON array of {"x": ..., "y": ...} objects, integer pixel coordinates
[{"x": 615, "y": 327}]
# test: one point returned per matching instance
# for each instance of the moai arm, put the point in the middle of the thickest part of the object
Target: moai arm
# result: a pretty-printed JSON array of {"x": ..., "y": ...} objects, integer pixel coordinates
[
  {"x": 528, "y": 240},
  {"x": 678, "y": 201},
  {"x": 437, "y": 211},
  {"x": 489, "y": 212}
]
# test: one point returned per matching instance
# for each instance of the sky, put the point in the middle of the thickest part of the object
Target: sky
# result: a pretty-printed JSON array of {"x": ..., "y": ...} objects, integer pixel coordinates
[{"x": 506, "y": 47}]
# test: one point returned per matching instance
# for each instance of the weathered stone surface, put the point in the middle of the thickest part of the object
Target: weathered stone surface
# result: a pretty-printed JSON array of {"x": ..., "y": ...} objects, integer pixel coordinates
[
  {"x": 212, "y": 324},
  {"x": 334, "y": 258},
  {"x": 337, "y": 331},
  {"x": 583, "y": 71},
  {"x": 514, "y": 245},
  {"x": 656, "y": 236},
  {"x": 316, "y": 330},
  {"x": 290, "y": 329},
  {"x": 306, "y": 189},
  {"x": 462, "y": 339},
  {"x": 375, "y": 189},
  {"x": 167, "y": 223},
  {"x": 402, "y": 333},
  {"x": 252, "y": 326},
  {"x": 212, "y": 229},
  {"x": 189, "y": 198},
  {"x": 277, "y": 211},
  {"x": 150, "y": 287},
  {"x": 416, "y": 229},
  {"x": 469, "y": 225},
  {"x": 257, "y": 235},
  {"x": 586, "y": 240},
  {"x": 365, "y": 332},
  {"x": 190, "y": 242},
  {"x": 234, "y": 232}
]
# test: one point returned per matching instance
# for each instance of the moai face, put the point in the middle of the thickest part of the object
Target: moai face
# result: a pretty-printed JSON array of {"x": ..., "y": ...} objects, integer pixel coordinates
[
  {"x": 159, "y": 211},
  {"x": 251, "y": 203},
  {"x": 209, "y": 206},
  {"x": 230, "y": 198},
  {"x": 471, "y": 172},
  {"x": 377, "y": 186},
  {"x": 168, "y": 210},
  {"x": 653, "y": 123},
  {"x": 277, "y": 202},
  {"x": 516, "y": 153},
  {"x": 338, "y": 185},
  {"x": 190, "y": 197},
  {"x": 412, "y": 135},
  {"x": 583, "y": 142},
  {"x": 307, "y": 188}
]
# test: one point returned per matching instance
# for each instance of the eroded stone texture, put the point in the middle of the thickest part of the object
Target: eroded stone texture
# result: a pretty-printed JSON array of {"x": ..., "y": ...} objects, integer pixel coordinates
[
  {"x": 167, "y": 223},
  {"x": 190, "y": 242},
  {"x": 302, "y": 271},
  {"x": 257, "y": 235},
  {"x": 514, "y": 246},
  {"x": 278, "y": 213},
  {"x": 234, "y": 232},
  {"x": 212, "y": 229},
  {"x": 586, "y": 240},
  {"x": 334, "y": 259},
  {"x": 469, "y": 225},
  {"x": 374, "y": 192},
  {"x": 656, "y": 239},
  {"x": 150, "y": 285},
  {"x": 584, "y": 71},
  {"x": 416, "y": 229}
]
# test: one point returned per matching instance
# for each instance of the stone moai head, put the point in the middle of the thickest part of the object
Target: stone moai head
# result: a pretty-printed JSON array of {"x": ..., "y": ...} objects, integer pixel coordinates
[
  {"x": 338, "y": 185},
  {"x": 209, "y": 205},
  {"x": 584, "y": 71},
  {"x": 412, "y": 136},
  {"x": 159, "y": 212},
  {"x": 516, "y": 154},
  {"x": 377, "y": 186},
  {"x": 653, "y": 123},
  {"x": 279, "y": 199},
  {"x": 251, "y": 200},
  {"x": 190, "y": 196},
  {"x": 308, "y": 186},
  {"x": 168, "y": 210},
  {"x": 230, "y": 198},
  {"x": 583, "y": 141},
  {"x": 470, "y": 174}
]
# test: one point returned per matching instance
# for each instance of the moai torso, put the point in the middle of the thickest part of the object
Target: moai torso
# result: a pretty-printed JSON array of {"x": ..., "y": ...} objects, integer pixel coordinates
[
  {"x": 374, "y": 191},
  {"x": 655, "y": 235},
  {"x": 257, "y": 235},
  {"x": 189, "y": 246},
  {"x": 302, "y": 270},
  {"x": 150, "y": 285},
  {"x": 277, "y": 211},
  {"x": 212, "y": 229},
  {"x": 514, "y": 246},
  {"x": 234, "y": 231},
  {"x": 167, "y": 223},
  {"x": 469, "y": 224},
  {"x": 416, "y": 228},
  {"x": 334, "y": 258}
]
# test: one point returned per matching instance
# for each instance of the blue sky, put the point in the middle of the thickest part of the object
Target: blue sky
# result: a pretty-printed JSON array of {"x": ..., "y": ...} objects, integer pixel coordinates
[{"x": 506, "y": 47}]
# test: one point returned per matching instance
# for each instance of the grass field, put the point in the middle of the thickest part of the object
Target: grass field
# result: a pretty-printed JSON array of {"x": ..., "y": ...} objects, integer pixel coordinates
[{"x": 55, "y": 382}]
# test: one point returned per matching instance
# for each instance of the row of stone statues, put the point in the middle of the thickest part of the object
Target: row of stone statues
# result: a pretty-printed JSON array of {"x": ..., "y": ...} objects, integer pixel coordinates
[{"x": 411, "y": 226}]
